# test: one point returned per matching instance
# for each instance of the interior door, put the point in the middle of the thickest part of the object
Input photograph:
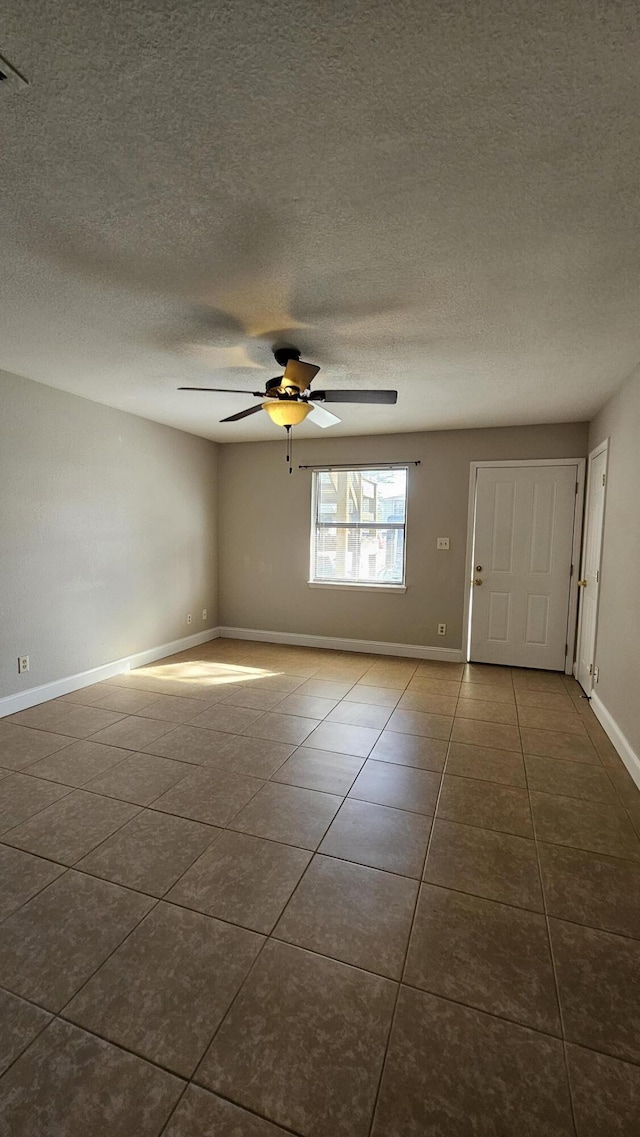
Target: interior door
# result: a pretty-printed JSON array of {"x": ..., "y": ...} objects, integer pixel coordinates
[
  {"x": 590, "y": 569},
  {"x": 523, "y": 538}
]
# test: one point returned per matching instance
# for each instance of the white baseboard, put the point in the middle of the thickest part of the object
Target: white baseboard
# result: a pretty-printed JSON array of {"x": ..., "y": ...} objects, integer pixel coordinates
[
  {"x": 369, "y": 647},
  {"x": 10, "y": 704},
  {"x": 619, "y": 740}
]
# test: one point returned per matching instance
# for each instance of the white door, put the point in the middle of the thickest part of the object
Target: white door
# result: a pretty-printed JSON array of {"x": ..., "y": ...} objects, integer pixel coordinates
[
  {"x": 523, "y": 538},
  {"x": 590, "y": 568}
]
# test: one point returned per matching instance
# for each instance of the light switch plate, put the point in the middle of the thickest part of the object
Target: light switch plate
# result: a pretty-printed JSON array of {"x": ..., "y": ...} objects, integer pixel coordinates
[{"x": 442, "y": 543}]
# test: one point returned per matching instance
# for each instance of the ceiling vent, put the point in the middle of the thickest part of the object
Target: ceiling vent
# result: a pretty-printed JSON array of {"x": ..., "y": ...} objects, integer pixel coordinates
[{"x": 10, "y": 79}]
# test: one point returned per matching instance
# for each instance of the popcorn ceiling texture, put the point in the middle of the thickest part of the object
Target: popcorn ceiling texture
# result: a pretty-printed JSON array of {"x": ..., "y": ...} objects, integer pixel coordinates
[{"x": 441, "y": 197}]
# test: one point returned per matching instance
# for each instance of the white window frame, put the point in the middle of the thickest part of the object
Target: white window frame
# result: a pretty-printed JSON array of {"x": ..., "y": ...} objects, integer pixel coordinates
[{"x": 355, "y": 586}]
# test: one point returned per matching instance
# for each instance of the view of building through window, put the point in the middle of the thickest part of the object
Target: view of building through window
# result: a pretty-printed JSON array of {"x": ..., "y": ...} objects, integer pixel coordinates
[{"x": 358, "y": 527}]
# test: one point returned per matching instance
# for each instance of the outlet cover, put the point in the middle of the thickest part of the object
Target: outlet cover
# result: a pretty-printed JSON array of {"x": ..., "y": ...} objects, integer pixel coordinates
[
  {"x": 23, "y": 664},
  {"x": 204, "y": 613},
  {"x": 442, "y": 629},
  {"x": 442, "y": 542},
  {"x": 189, "y": 617}
]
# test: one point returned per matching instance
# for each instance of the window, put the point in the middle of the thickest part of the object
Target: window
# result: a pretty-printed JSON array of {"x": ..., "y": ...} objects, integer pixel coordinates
[{"x": 358, "y": 527}]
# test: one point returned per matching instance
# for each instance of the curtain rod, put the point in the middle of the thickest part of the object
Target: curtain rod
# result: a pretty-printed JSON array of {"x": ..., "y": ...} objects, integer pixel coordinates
[{"x": 363, "y": 466}]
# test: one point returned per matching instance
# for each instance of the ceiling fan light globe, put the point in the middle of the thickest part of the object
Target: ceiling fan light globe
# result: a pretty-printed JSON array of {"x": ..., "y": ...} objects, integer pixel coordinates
[{"x": 284, "y": 413}]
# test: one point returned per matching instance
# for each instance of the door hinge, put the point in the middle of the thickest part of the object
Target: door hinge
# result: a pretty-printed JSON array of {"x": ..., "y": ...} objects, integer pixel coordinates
[
  {"x": 571, "y": 571},
  {"x": 597, "y": 576},
  {"x": 604, "y": 479},
  {"x": 566, "y": 649},
  {"x": 590, "y": 669},
  {"x": 576, "y": 487}
]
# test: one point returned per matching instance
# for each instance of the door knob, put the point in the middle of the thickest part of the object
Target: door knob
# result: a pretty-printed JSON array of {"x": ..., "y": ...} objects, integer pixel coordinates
[
  {"x": 582, "y": 584},
  {"x": 478, "y": 580}
]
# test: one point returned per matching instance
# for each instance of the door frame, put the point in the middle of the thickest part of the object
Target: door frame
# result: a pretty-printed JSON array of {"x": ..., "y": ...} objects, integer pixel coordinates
[
  {"x": 602, "y": 447},
  {"x": 572, "y": 615}
]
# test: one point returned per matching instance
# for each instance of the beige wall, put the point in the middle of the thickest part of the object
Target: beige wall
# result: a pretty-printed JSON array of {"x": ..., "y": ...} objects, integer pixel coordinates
[
  {"x": 617, "y": 649},
  {"x": 107, "y": 533},
  {"x": 265, "y": 520}
]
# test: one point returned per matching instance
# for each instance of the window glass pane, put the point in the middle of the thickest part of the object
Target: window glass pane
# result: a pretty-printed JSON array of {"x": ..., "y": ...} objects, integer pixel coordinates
[
  {"x": 358, "y": 496},
  {"x": 359, "y": 555}
]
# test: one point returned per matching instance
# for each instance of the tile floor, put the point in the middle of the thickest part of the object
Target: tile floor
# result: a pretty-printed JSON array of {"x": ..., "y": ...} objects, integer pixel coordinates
[{"x": 254, "y": 890}]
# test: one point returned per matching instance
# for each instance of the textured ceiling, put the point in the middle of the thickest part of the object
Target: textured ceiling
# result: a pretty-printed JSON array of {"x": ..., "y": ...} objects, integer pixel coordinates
[{"x": 441, "y": 197}]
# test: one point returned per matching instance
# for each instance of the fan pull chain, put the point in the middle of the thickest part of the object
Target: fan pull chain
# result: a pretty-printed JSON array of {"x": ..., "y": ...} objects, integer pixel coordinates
[{"x": 289, "y": 448}]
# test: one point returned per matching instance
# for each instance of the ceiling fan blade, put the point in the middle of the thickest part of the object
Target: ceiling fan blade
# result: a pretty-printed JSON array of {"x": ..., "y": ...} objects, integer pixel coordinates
[
  {"x": 300, "y": 373},
  {"x": 225, "y": 391},
  {"x": 242, "y": 414},
  {"x": 322, "y": 417},
  {"x": 355, "y": 396}
]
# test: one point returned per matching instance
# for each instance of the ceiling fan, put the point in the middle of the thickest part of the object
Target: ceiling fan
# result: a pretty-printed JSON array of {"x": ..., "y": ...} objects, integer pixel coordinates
[{"x": 289, "y": 396}]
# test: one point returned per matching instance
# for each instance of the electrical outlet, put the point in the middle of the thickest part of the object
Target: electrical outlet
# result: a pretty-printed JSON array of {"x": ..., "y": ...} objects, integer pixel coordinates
[
  {"x": 204, "y": 613},
  {"x": 442, "y": 629},
  {"x": 23, "y": 664},
  {"x": 189, "y": 617},
  {"x": 442, "y": 542}
]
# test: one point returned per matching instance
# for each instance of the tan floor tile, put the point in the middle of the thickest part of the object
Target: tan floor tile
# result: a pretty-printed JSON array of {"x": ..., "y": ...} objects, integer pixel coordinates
[
  {"x": 494, "y": 734},
  {"x": 558, "y": 744},
  {"x": 359, "y": 915},
  {"x": 526, "y": 680},
  {"x": 290, "y": 729},
  {"x": 22, "y": 876},
  {"x": 605, "y": 1092},
  {"x": 21, "y": 745},
  {"x": 254, "y": 756},
  {"x": 487, "y": 692},
  {"x": 325, "y": 689},
  {"x": 537, "y": 718},
  {"x": 202, "y": 1114},
  {"x": 419, "y": 722},
  {"x": 309, "y": 706},
  {"x": 439, "y": 669},
  {"x": 289, "y": 814},
  {"x": 22, "y": 797},
  {"x": 487, "y": 955},
  {"x": 486, "y": 763},
  {"x": 487, "y": 711},
  {"x": 410, "y": 750},
  {"x": 65, "y": 718},
  {"x": 226, "y": 718},
  {"x": 193, "y": 744},
  {"x": 360, "y": 714},
  {"x": 424, "y": 685},
  {"x": 51, "y": 946},
  {"x": 279, "y": 681},
  {"x": 571, "y": 779},
  {"x": 132, "y": 732},
  {"x": 141, "y": 778},
  {"x": 244, "y": 695},
  {"x": 586, "y": 825},
  {"x": 303, "y": 1043},
  {"x": 69, "y": 1083},
  {"x": 379, "y": 836},
  {"x": 448, "y": 1064},
  {"x": 319, "y": 770},
  {"x": 174, "y": 958},
  {"x": 209, "y": 795},
  {"x": 151, "y": 852},
  {"x": 343, "y": 738},
  {"x": 79, "y": 763},
  {"x": 70, "y": 827},
  {"x": 89, "y": 696},
  {"x": 589, "y": 888},
  {"x": 429, "y": 702},
  {"x": 488, "y": 673},
  {"x": 121, "y": 699},
  {"x": 21, "y": 1023},
  {"x": 403, "y": 787},
  {"x": 172, "y": 708},
  {"x": 544, "y": 700},
  {"x": 242, "y": 879},
  {"x": 395, "y": 677},
  {"x": 497, "y": 866},
  {"x": 599, "y": 986},
  {"x": 486, "y": 804}
]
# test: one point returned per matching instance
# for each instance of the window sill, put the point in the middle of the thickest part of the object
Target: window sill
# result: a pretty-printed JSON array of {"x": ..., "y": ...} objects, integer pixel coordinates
[{"x": 342, "y": 586}]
